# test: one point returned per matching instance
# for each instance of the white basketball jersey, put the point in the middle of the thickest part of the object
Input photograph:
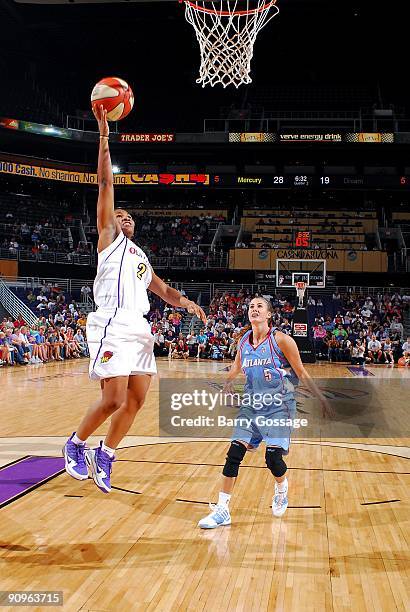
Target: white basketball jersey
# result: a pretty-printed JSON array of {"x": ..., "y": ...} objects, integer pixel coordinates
[{"x": 123, "y": 275}]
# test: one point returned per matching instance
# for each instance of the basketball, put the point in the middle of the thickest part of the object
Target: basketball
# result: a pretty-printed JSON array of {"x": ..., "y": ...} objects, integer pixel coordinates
[
  {"x": 116, "y": 97},
  {"x": 402, "y": 362}
]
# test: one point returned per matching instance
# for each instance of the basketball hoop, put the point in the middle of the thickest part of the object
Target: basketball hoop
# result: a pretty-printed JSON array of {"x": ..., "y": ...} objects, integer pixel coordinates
[
  {"x": 226, "y": 31},
  {"x": 300, "y": 290}
]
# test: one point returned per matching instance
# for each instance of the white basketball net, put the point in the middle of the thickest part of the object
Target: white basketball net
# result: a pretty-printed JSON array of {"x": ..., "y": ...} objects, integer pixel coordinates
[
  {"x": 300, "y": 290},
  {"x": 226, "y": 31}
]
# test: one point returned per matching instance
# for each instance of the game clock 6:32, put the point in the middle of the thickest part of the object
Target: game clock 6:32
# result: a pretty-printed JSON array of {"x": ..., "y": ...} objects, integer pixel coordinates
[{"x": 302, "y": 239}]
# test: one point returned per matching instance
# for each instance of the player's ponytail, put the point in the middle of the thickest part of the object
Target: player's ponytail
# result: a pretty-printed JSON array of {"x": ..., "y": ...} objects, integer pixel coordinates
[{"x": 243, "y": 332}]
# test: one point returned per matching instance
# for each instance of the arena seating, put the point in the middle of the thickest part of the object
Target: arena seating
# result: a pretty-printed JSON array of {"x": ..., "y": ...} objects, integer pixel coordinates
[
  {"x": 357, "y": 314},
  {"x": 31, "y": 222},
  {"x": 164, "y": 235},
  {"x": 338, "y": 229},
  {"x": 348, "y": 312},
  {"x": 166, "y": 227},
  {"x": 401, "y": 220},
  {"x": 36, "y": 224}
]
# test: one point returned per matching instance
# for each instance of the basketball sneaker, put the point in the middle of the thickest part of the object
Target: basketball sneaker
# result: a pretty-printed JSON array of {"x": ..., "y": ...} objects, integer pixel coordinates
[
  {"x": 100, "y": 465},
  {"x": 279, "y": 501},
  {"x": 219, "y": 517},
  {"x": 74, "y": 459}
]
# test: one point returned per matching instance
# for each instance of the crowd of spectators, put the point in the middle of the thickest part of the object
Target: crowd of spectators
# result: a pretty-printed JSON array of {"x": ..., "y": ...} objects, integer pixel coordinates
[
  {"x": 37, "y": 224},
  {"x": 176, "y": 236},
  {"x": 36, "y": 237},
  {"x": 363, "y": 330},
  {"x": 218, "y": 338},
  {"x": 58, "y": 334}
]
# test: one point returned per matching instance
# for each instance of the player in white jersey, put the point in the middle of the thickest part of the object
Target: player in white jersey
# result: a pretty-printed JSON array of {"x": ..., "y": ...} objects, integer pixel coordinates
[{"x": 119, "y": 337}]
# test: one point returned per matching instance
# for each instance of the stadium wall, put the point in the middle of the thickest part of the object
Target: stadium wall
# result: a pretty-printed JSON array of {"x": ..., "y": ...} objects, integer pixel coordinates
[
  {"x": 9, "y": 268},
  {"x": 336, "y": 261}
]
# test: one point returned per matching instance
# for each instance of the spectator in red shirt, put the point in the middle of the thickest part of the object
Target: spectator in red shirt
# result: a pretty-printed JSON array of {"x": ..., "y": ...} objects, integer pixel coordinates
[
  {"x": 181, "y": 350},
  {"x": 288, "y": 308},
  {"x": 19, "y": 322}
]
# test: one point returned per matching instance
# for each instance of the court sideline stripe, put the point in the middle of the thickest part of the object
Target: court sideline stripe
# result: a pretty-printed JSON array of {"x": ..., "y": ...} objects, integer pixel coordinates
[
  {"x": 325, "y": 444},
  {"x": 258, "y": 467},
  {"x": 227, "y": 440}
]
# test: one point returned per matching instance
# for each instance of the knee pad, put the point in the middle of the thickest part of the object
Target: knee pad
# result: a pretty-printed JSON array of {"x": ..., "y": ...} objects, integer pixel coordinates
[
  {"x": 274, "y": 461},
  {"x": 234, "y": 457}
]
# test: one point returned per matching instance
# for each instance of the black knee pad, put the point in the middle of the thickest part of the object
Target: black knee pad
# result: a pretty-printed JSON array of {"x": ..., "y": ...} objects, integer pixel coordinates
[
  {"x": 234, "y": 457},
  {"x": 274, "y": 461}
]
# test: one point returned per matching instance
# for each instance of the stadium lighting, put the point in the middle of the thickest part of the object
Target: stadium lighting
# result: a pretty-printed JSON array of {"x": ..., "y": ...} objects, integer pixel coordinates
[{"x": 116, "y": 169}]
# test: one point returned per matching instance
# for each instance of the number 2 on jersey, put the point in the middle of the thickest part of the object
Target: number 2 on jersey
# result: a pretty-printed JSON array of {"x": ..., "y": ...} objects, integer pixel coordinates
[{"x": 142, "y": 268}]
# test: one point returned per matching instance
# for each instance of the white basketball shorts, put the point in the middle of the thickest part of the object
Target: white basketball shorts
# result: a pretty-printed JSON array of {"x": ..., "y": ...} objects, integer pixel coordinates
[{"x": 120, "y": 343}]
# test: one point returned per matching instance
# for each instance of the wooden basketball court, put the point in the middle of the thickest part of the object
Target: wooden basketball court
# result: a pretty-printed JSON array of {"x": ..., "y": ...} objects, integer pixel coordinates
[{"x": 343, "y": 543}]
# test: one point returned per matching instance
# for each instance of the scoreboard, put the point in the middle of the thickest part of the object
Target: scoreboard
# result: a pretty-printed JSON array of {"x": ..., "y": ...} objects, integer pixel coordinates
[
  {"x": 286, "y": 181},
  {"x": 302, "y": 239}
]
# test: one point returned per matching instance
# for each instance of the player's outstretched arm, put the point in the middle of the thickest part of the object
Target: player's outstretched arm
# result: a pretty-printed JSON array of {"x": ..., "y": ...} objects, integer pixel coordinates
[
  {"x": 290, "y": 349},
  {"x": 105, "y": 204},
  {"x": 232, "y": 374},
  {"x": 174, "y": 297}
]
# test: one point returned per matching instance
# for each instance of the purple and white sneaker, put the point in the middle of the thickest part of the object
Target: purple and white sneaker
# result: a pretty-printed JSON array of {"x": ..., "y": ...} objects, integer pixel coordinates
[
  {"x": 74, "y": 459},
  {"x": 100, "y": 465}
]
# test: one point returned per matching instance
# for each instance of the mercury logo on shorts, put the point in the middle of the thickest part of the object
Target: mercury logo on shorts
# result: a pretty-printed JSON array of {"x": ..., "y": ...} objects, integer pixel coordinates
[{"x": 106, "y": 357}]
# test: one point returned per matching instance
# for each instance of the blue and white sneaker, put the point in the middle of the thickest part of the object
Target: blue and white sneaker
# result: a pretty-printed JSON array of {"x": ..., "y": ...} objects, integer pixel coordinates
[
  {"x": 100, "y": 466},
  {"x": 219, "y": 517},
  {"x": 74, "y": 459},
  {"x": 279, "y": 502}
]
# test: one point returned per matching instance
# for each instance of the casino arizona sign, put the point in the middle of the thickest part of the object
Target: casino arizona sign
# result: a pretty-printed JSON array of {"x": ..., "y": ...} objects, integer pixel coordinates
[{"x": 304, "y": 254}]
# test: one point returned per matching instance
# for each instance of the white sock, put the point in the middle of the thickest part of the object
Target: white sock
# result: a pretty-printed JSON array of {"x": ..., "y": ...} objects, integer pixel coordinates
[
  {"x": 224, "y": 499},
  {"x": 77, "y": 440},
  {"x": 283, "y": 486},
  {"x": 108, "y": 450}
]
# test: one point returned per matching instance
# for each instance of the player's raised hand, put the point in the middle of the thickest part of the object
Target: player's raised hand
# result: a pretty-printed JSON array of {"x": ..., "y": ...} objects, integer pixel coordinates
[
  {"x": 193, "y": 308},
  {"x": 101, "y": 115}
]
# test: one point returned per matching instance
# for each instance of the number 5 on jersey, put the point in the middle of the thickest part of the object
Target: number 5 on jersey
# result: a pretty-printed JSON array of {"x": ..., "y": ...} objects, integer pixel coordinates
[{"x": 267, "y": 374}]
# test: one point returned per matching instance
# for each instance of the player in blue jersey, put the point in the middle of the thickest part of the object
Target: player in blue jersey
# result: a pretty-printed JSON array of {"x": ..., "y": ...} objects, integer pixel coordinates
[{"x": 272, "y": 366}]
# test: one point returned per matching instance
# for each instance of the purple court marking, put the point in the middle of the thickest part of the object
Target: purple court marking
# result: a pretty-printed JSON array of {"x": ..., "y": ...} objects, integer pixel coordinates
[
  {"x": 357, "y": 371},
  {"x": 19, "y": 478}
]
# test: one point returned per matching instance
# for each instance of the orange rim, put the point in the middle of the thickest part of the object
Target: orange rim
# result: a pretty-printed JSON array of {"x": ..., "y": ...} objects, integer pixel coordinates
[{"x": 202, "y": 9}]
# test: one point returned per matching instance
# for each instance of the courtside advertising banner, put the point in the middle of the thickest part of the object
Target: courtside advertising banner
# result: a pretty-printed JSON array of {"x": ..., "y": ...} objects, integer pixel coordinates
[{"x": 90, "y": 178}]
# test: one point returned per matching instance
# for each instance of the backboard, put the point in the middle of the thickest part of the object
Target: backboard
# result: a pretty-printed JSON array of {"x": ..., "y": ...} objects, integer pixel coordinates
[{"x": 310, "y": 271}]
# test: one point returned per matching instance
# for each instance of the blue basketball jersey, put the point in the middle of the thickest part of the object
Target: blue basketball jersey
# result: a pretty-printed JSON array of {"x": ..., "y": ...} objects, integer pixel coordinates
[{"x": 265, "y": 366}]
